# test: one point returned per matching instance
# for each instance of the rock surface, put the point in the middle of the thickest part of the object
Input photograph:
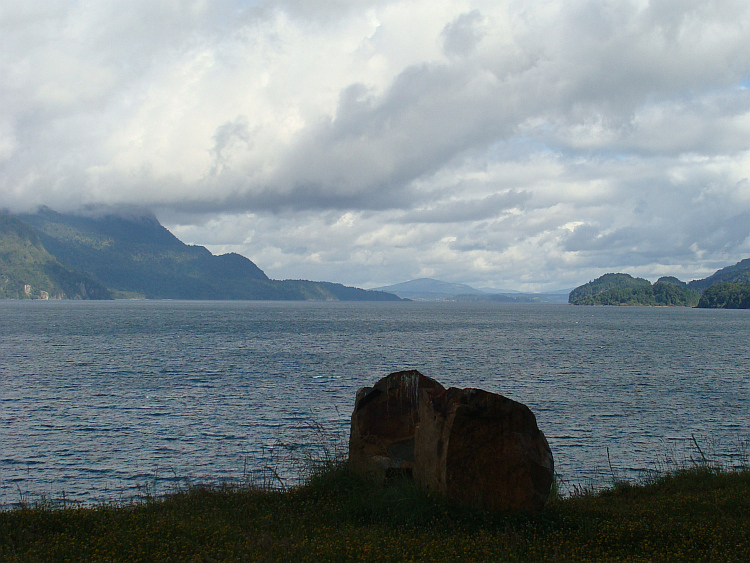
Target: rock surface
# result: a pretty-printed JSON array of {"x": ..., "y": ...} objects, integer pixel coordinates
[
  {"x": 381, "y": 442},
  {"x": 482, "y": 449}
]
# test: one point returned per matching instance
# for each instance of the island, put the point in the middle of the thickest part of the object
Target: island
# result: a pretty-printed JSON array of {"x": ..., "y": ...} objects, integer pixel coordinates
[{"x": 728, "y": 288}]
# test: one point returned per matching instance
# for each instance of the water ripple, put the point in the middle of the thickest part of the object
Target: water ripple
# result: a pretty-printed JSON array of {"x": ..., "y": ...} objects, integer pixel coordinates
[{"x": 97, "y": 399}]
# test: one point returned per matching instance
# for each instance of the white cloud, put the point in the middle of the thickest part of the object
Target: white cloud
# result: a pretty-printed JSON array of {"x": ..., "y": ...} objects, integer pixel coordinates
[{"x": 352, "y": 140}]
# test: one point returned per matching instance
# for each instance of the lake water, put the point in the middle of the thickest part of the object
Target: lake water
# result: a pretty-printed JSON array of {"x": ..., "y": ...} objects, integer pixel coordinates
[{"x": 100, "y": 401}]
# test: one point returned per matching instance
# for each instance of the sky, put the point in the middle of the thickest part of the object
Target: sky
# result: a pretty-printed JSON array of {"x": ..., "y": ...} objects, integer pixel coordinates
[{"x": 527, "y": 145}]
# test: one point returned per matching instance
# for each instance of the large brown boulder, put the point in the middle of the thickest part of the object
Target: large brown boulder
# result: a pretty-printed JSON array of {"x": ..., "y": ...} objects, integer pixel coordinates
[
  {"x": 381, "y": 442},
  {"x": 482, "y": 449}
]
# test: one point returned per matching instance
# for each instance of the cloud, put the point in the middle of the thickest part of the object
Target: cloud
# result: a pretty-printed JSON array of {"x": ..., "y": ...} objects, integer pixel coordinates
[
  {"x": 530, "y": 145},
  {"x": 462, "y": 35}
]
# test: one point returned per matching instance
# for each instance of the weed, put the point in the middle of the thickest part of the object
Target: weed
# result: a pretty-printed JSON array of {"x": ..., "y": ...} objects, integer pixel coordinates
[{"x": 698, "y": 510}]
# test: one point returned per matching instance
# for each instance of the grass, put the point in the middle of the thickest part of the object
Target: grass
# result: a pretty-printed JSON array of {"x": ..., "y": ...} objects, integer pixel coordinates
[{"x": 697, "y": 513}]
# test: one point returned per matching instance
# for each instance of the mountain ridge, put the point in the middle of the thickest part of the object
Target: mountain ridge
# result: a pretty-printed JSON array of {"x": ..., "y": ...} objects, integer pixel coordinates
[
  {"x": 28, "y": 270},
  {"x": 728, "y": 287},
  {"x": 111, "y": 254},
  {"x": 736, "y": 273},
  {"x": 428, "y": 289},
  {"x": 135, "y": 256}
]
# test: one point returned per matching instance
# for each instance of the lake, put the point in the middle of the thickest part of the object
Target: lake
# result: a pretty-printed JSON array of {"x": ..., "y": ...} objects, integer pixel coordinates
[{"x": 102, "y": 401}]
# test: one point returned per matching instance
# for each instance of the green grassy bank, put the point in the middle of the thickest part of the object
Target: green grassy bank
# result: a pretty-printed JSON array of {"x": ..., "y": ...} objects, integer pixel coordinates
[{"x": 695, "y": 514}]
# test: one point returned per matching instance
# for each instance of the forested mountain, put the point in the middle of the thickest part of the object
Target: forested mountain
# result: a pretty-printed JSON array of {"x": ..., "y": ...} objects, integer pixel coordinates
[
  {"x": 727, "y": 288},
  {"x": 738, "y": 273},
  {"x": 54, "y": 255},
  {"x": 605, "y": 283},
  {"x": 726, "y": 296},
  {"x": 672, "y": 279},
  {"x": 138, "y": 255},
  {"x": 659, "y": 294},
  {"x": 29, "y": 271},
  {"x": 135, "y": 256}
]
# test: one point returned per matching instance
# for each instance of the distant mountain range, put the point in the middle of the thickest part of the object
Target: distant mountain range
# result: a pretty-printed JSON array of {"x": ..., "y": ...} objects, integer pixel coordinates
[
  {"x": 726, "y": 288},
  {"x": 427, "y": 289},
  {"x": 49, "y": 255}
]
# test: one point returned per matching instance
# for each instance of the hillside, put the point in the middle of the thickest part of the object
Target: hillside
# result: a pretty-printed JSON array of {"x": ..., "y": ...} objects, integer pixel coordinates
[
  {"x": 135, "y": 256},
  {"x": 426, "y": 289},
  {"x": 660, "y": 294},
  {"x": 605, "y": 283},
  {"x": 726, "y": 296},
  {"x": 727, "y": 288},
  {"x": 29, "y": 271},
  {"x": 737, "y": 273}
]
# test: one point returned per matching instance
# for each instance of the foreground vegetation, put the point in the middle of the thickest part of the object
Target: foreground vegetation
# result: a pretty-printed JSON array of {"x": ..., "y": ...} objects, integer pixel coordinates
[{"x": 695, "y": 514}]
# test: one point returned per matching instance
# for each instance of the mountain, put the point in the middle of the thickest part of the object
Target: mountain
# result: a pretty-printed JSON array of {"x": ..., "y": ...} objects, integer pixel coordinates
[
  {"x": 605, "y": 283},
  {"x": 494, "y": 291},
  {"x": 726, "y": 288},
  {"x": 673, "y": 280},
  {"x": 426, "y": 289},
  {"x": 726, "y": 295},
  {"x": 624, "y": 289},
  {"x": 513, "y": 298},
  {"x": 659, "y": 294},
  {"x": 29, "y": 271},
  {"x": 133, "y": 255},
  {"x": 137, "y": 255},
  {"x": 738, "y": 273}
]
